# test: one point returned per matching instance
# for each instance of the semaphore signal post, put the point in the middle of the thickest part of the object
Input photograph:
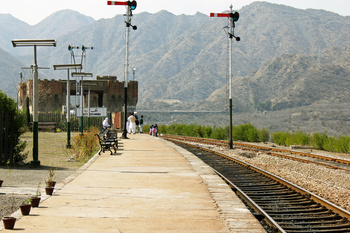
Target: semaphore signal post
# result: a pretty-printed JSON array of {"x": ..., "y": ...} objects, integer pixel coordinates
[
  {"x": 131, "y": 5},
  {"x": 232, "y": 18}
]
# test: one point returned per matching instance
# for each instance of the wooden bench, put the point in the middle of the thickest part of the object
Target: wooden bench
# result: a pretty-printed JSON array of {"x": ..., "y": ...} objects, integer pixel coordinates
[
  {"x": 108, "y": 140},
  {"x": 45, "y": 125}
]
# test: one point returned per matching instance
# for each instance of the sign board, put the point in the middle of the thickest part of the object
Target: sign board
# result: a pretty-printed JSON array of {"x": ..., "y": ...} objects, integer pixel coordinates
[
  {"x": 131, "y": 108},
  {"x": 94, "y": 112}
]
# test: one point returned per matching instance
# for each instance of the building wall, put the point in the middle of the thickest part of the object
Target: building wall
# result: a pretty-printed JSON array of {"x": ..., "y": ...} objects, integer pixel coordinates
[{"x": 52, "y": 93}]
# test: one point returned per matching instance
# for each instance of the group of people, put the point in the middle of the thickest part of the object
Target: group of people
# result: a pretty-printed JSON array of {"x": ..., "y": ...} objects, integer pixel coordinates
[
  {"x": 134, "y": 125},
  {"x": 153, "y": 130}
]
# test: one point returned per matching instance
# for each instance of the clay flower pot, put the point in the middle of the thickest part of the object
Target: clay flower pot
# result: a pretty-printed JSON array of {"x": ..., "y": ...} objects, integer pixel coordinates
[
  {"x": 35, "y": 201},
  {"x": 49, "y": 190},
  {"x": 25, "y": 208},
  {"x": 9, "y": 222}
]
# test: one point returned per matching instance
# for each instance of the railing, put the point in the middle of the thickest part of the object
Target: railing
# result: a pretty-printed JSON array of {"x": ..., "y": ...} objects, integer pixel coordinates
[{"x": 61, "y": 121}]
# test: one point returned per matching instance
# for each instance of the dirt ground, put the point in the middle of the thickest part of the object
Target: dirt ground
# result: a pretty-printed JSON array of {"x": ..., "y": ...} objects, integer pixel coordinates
[{"x": 22, "y": 181}]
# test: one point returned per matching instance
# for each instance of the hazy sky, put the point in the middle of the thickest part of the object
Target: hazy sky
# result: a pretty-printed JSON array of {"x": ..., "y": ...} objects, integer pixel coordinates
[{"x": 33, "y": 11}]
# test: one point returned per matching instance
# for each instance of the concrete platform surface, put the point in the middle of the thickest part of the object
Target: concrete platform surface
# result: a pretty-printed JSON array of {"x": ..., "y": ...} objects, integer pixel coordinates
[{"x": 150, "y": 185}]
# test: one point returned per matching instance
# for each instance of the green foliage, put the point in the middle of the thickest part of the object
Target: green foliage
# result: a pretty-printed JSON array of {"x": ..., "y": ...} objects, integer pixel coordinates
[
  {"x": 246, "y": 133},
  {"x": 287, "y": 139},
  {"x": 318, "y": 140},
  {"x": 84, "y": 145},
  {"x": 337, "y": 144},
  {"x": 7, "y": 104},
  {"x": 249, "y": 133},
  {"x": 220, "y": 133},
  {"x": 264, "y": 135},
  {"x": 280, "y": 138},
  {"x": 298, "y": 138}
]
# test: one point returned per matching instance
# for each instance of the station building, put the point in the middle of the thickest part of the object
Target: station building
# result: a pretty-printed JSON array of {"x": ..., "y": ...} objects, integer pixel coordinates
[{"x": 105, "y": 91}]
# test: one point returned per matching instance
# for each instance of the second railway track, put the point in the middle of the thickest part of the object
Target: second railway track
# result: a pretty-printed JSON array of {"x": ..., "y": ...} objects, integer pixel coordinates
[
  {"x": 326, "y": 161},
  {"x": 284, "y": 206}
]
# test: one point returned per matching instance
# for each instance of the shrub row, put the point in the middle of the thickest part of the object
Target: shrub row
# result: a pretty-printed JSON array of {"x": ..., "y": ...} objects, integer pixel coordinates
[
  {"x": 246, "y": 132},
  {"x": 319, "y": 141},
  {"x": 249, "y": 133}
]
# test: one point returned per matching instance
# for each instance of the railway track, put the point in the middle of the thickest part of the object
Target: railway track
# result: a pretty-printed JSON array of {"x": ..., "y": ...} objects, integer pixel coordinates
[
  {"x": 330, "y": 162},
  {"x": 281, "y": 205}
]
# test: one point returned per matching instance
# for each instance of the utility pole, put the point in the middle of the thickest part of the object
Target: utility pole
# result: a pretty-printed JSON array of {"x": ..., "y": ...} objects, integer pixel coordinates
[
  {"x": 232, "y": 18},
  {"x": 131, "y": 5}
]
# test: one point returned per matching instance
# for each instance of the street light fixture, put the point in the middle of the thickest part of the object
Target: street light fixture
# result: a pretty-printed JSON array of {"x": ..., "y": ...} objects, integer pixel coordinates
[
  {"x": 81, "y": 74},
  {"x": 68, "y": 67},
  {"x": 35, "y": 43}
]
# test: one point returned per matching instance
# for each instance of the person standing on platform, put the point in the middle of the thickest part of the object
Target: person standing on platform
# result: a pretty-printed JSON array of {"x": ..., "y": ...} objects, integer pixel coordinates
[
  {"x": 132, "y": 125},
  {"x": 141, "y": 124},
  {"x": 137, "y": 122},
  {"x": 155, "y": 130}
]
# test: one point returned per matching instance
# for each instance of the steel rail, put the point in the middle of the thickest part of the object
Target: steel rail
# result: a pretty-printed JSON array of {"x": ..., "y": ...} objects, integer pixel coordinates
[
  {"x": 268, "y": 150},
  {"x": 251, "y": 203},
  {"x": 336, "y": 209}
]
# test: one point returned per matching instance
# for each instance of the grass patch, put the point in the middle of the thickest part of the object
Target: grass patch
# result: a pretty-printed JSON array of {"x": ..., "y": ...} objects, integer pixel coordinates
[{"x": 52, "y": 149}]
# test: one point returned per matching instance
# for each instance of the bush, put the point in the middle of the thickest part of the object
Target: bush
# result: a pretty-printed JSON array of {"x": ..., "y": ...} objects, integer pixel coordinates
[
  {"x": 318, "y": 140},
  {"x": 84, "y": 145},
  {"x": 264, "y": 135},
  {"x": 218, "y": 133},
  {"x": 7, "y": 104},
  {"x": 280, "y": 138},
  {"x": 246, "y": 132},
  {"x": 298, "y": 138}
]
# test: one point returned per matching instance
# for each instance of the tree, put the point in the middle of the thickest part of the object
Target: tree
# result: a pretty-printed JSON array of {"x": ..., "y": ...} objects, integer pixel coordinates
[{"x": 8, "y": 105}]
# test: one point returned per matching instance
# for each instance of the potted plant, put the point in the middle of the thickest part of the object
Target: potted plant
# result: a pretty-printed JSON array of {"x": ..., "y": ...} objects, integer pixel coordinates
[
  {"x": 51, "y": 181},
  {"x": 35, "y": 200},
  {"x": 8, "y": 221},
  {"x": 7, "y": 174},
  {"x": 26, "y": 206}
]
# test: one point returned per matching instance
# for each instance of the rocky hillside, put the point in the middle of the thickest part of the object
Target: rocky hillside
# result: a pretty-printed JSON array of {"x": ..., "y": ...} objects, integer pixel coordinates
[
  {"x": 182, "y": 60},
  {"x": 290, "y": 81}
]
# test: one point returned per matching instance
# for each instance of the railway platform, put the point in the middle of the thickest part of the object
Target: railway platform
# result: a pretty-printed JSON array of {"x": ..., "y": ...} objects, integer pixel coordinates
[{"x": 150, "y": 185}]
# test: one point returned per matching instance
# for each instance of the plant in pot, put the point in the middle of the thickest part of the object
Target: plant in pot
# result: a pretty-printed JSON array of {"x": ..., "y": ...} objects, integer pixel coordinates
[
  {"x": 26, "y": 206},
  {"x": 35, "y": 200},
  {"x": 50, "y": 183},
  {"x": 8, "y": 221}
]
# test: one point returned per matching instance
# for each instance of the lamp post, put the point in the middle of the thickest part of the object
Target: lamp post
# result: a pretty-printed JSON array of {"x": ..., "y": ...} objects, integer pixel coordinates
[
  {"x": 82, "y": 75},
  {"x": 35, "y": 44},
  {"x": 68, "y": 67}
]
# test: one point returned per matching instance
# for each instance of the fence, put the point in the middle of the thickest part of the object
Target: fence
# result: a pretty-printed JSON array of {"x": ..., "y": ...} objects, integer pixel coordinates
[
  {"x": 61, "y": 121},
  {"x": 7, "y": 135}
]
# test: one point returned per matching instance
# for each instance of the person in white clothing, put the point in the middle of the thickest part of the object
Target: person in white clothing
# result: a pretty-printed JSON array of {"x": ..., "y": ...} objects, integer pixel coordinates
[
  {"x": 105, "y": 123},
  {"x": 132, "y": 124}
]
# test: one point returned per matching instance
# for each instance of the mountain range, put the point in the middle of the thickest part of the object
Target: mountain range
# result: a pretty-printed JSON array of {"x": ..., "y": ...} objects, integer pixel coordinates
[{"x": 287, "y": 58}]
